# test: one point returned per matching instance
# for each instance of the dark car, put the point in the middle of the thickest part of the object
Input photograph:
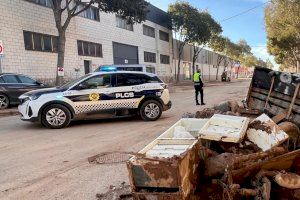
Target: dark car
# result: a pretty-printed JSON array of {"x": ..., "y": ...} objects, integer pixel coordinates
[{"x": 14, "y": 85}]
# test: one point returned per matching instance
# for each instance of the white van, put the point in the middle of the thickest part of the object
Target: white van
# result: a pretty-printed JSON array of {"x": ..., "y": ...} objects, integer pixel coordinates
[{"x": 133, "y": 68}]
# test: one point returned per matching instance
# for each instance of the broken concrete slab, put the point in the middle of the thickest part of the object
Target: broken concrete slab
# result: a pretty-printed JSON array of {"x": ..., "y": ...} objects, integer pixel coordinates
[{"x": 265, "y": 133}]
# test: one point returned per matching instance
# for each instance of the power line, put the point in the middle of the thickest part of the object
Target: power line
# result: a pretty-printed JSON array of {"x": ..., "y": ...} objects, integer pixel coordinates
[{"x": 244, "y": 12}]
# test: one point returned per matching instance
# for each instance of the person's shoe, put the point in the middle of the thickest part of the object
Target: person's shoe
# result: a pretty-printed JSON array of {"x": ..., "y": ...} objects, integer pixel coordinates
[
  {"x": 203, "y": 104},
  {"x": 197, "y": 104}
]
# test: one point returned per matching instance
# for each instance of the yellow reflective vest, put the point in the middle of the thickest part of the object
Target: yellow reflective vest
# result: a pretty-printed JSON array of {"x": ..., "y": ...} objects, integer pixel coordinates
[{"x": 197, "y": 77}]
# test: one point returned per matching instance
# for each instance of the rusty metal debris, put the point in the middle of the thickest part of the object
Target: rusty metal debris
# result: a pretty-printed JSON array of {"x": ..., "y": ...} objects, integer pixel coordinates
[{"x": 264, "y": 164}]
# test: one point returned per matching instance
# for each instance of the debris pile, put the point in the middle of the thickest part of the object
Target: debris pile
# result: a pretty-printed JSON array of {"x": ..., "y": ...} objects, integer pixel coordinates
[
  {"x": 226, "y": 108},
  {"x": 229, "y": 158}
]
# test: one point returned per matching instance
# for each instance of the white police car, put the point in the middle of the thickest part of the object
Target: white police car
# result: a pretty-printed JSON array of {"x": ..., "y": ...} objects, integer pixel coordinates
[{"x": 97, "y": 95}]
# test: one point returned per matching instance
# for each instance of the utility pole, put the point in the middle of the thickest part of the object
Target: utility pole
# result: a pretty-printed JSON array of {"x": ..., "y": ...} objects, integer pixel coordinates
[
  {"x": 0, "y": 64},
  {"x": 1, "y": 54}
]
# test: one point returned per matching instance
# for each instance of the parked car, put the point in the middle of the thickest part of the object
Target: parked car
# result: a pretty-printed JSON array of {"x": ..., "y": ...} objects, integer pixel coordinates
[
  {"x": 14, "y": 85},
  {"x": 95, "y": 96}
]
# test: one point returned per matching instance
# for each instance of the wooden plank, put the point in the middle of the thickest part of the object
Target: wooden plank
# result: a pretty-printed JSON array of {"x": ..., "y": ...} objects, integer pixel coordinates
[
  {"x": 156, "y": 196},
  {"x": 250, "y": 168},
  {"x": 249, "y": 111},
  {"x": 279, "y": 117},
  {"x": 249, "y": 91},
  {"x": 293, "y": 100},
  {"x": 283, "y": 162},
  {"x": 277, "y": 102},
  {"x": 270, "y": 91},
  {"x": 275, "y": 94}
]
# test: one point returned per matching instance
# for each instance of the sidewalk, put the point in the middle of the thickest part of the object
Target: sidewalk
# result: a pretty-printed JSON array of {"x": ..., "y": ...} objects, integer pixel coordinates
[{"x": 189, "y": 84}]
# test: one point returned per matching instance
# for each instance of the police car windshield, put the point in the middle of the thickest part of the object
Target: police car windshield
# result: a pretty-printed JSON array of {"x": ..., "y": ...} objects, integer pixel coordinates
[{"x": 71, "y": 83}]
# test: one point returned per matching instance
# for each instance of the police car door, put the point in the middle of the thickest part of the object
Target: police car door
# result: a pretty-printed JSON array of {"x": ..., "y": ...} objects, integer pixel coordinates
[
  {"x": 129, "y": 90},
  {"x": 94, "y": 95}
]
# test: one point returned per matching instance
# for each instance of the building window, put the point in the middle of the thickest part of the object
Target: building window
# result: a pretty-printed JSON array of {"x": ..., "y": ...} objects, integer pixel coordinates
[
  {"x": 149, "y": 57},
  {"x": 123, "y": 23},
  {"x": 89, "y": 49},
  {"x": 91, "y": 13},
  {"x": 149, "y": 31},
  {"x": 164, "y": 36},
  {"x": 40, "y": 42},
  {"x": 46, "y": 3},
  {"x": 164, "y": 59}
]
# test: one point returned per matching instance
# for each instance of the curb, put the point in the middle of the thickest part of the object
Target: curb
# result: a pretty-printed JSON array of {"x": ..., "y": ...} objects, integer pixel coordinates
[{"x": 9, "y": 112}]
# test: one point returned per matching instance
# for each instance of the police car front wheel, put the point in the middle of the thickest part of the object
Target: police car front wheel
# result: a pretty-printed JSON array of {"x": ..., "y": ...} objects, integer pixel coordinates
[
  {"x": 56, "y": 116},
  {"x": 151, "y": 110}
]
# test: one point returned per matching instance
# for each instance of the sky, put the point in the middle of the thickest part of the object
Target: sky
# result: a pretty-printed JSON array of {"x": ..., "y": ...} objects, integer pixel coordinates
[{"x": 249, "y": 26}]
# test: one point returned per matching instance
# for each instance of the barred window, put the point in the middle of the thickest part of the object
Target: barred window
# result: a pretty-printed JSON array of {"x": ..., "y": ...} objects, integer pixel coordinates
[
  {"x": 40, "y": 42},
  {"x": 149, "y": 31},
  {"x": 164, "y": 36},
  {"x": 123, "y": 23},
  {"x": 164, "y": 59},
  {"x": 46, "y": 3},
  {"x": 149, "y": 57},
  {"x": 89, "y": 49},
  {"x": 91, "y": 13}
]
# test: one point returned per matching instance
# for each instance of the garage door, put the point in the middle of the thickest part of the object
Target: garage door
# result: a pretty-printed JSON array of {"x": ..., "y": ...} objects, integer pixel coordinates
[{"x": 125, "y": 54}]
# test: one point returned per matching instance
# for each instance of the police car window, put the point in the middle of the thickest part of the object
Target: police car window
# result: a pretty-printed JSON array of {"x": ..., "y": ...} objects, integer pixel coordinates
[
  {"x": 97, "y": 82},
  {"x": 28, "y": 80},
  {"x": 10, "y": 79},
  {"x": 132, "y": 79},
  {"x": 150, "y": 70},
  {"x": 71, "y": 83},
  {"x": 155, "y": 79},
  {"x": 138, "y": 69}
]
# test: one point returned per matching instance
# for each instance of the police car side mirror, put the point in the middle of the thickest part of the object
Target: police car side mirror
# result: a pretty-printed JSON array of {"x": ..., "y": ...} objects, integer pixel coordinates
[
  {"x": 38, "y": 83},
  {"x": 81, "y": 86}
]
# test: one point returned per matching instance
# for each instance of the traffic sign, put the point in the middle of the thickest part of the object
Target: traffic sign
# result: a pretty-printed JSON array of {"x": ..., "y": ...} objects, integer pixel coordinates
[
  {"x": 1, "y": 48},
  {"x": 60, "y": 71}
]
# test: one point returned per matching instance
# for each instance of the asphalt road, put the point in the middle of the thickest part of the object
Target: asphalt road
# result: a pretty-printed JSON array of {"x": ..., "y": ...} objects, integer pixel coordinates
[{"x": 38, "y": 163}]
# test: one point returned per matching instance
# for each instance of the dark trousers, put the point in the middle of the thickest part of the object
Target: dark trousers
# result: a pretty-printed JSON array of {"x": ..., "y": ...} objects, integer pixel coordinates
[{"x": 199, "y": 89}]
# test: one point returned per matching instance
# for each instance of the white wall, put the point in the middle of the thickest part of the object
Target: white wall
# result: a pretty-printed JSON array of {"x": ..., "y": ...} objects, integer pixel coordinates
[{"x": 19, "y": 15}]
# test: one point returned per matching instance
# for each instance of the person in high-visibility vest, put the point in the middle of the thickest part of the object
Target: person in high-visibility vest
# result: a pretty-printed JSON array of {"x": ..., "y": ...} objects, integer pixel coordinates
[{"x": 198, "y": 87}]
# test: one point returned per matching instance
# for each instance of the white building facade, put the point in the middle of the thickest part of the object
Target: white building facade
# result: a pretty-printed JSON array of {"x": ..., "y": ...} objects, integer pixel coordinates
[
  {"x": 95, "y": 38},
  {"x": 29, "y": 37}
]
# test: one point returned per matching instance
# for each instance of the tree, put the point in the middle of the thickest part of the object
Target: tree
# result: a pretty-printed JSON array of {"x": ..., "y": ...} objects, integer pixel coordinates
[
  {"x": 65, "y": 10},
  {"x": 204, "y": 28},
  {"x": 248, "y": 61},
  {"x": 270, "y": 65},
  {"x": 234, "y": 52},
  {"x": 246, "y": 57},
  {"x": 262, "y": 63},
  {"x": 184, "y": 23},
  {"x": 282, "y": 19},
  {"x": 219, "y": 43}
]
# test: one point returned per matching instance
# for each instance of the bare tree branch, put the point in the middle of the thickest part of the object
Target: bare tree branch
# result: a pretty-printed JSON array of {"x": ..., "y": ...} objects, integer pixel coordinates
[
  {"x": 87, "y": 6},
  {"x": 67, "y": 5}
]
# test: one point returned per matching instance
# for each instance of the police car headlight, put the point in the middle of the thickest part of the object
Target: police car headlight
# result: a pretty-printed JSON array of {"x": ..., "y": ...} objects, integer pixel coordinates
[{"x": 34, "y": 97}]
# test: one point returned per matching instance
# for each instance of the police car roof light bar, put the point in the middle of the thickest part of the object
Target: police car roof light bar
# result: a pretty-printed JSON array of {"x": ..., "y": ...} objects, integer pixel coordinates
[{"x": 108, "y": 69}]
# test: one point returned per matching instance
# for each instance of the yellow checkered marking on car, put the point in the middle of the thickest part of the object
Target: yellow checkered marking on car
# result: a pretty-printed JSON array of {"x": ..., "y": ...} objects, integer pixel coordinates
[{"x": 88, "y": 106}]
